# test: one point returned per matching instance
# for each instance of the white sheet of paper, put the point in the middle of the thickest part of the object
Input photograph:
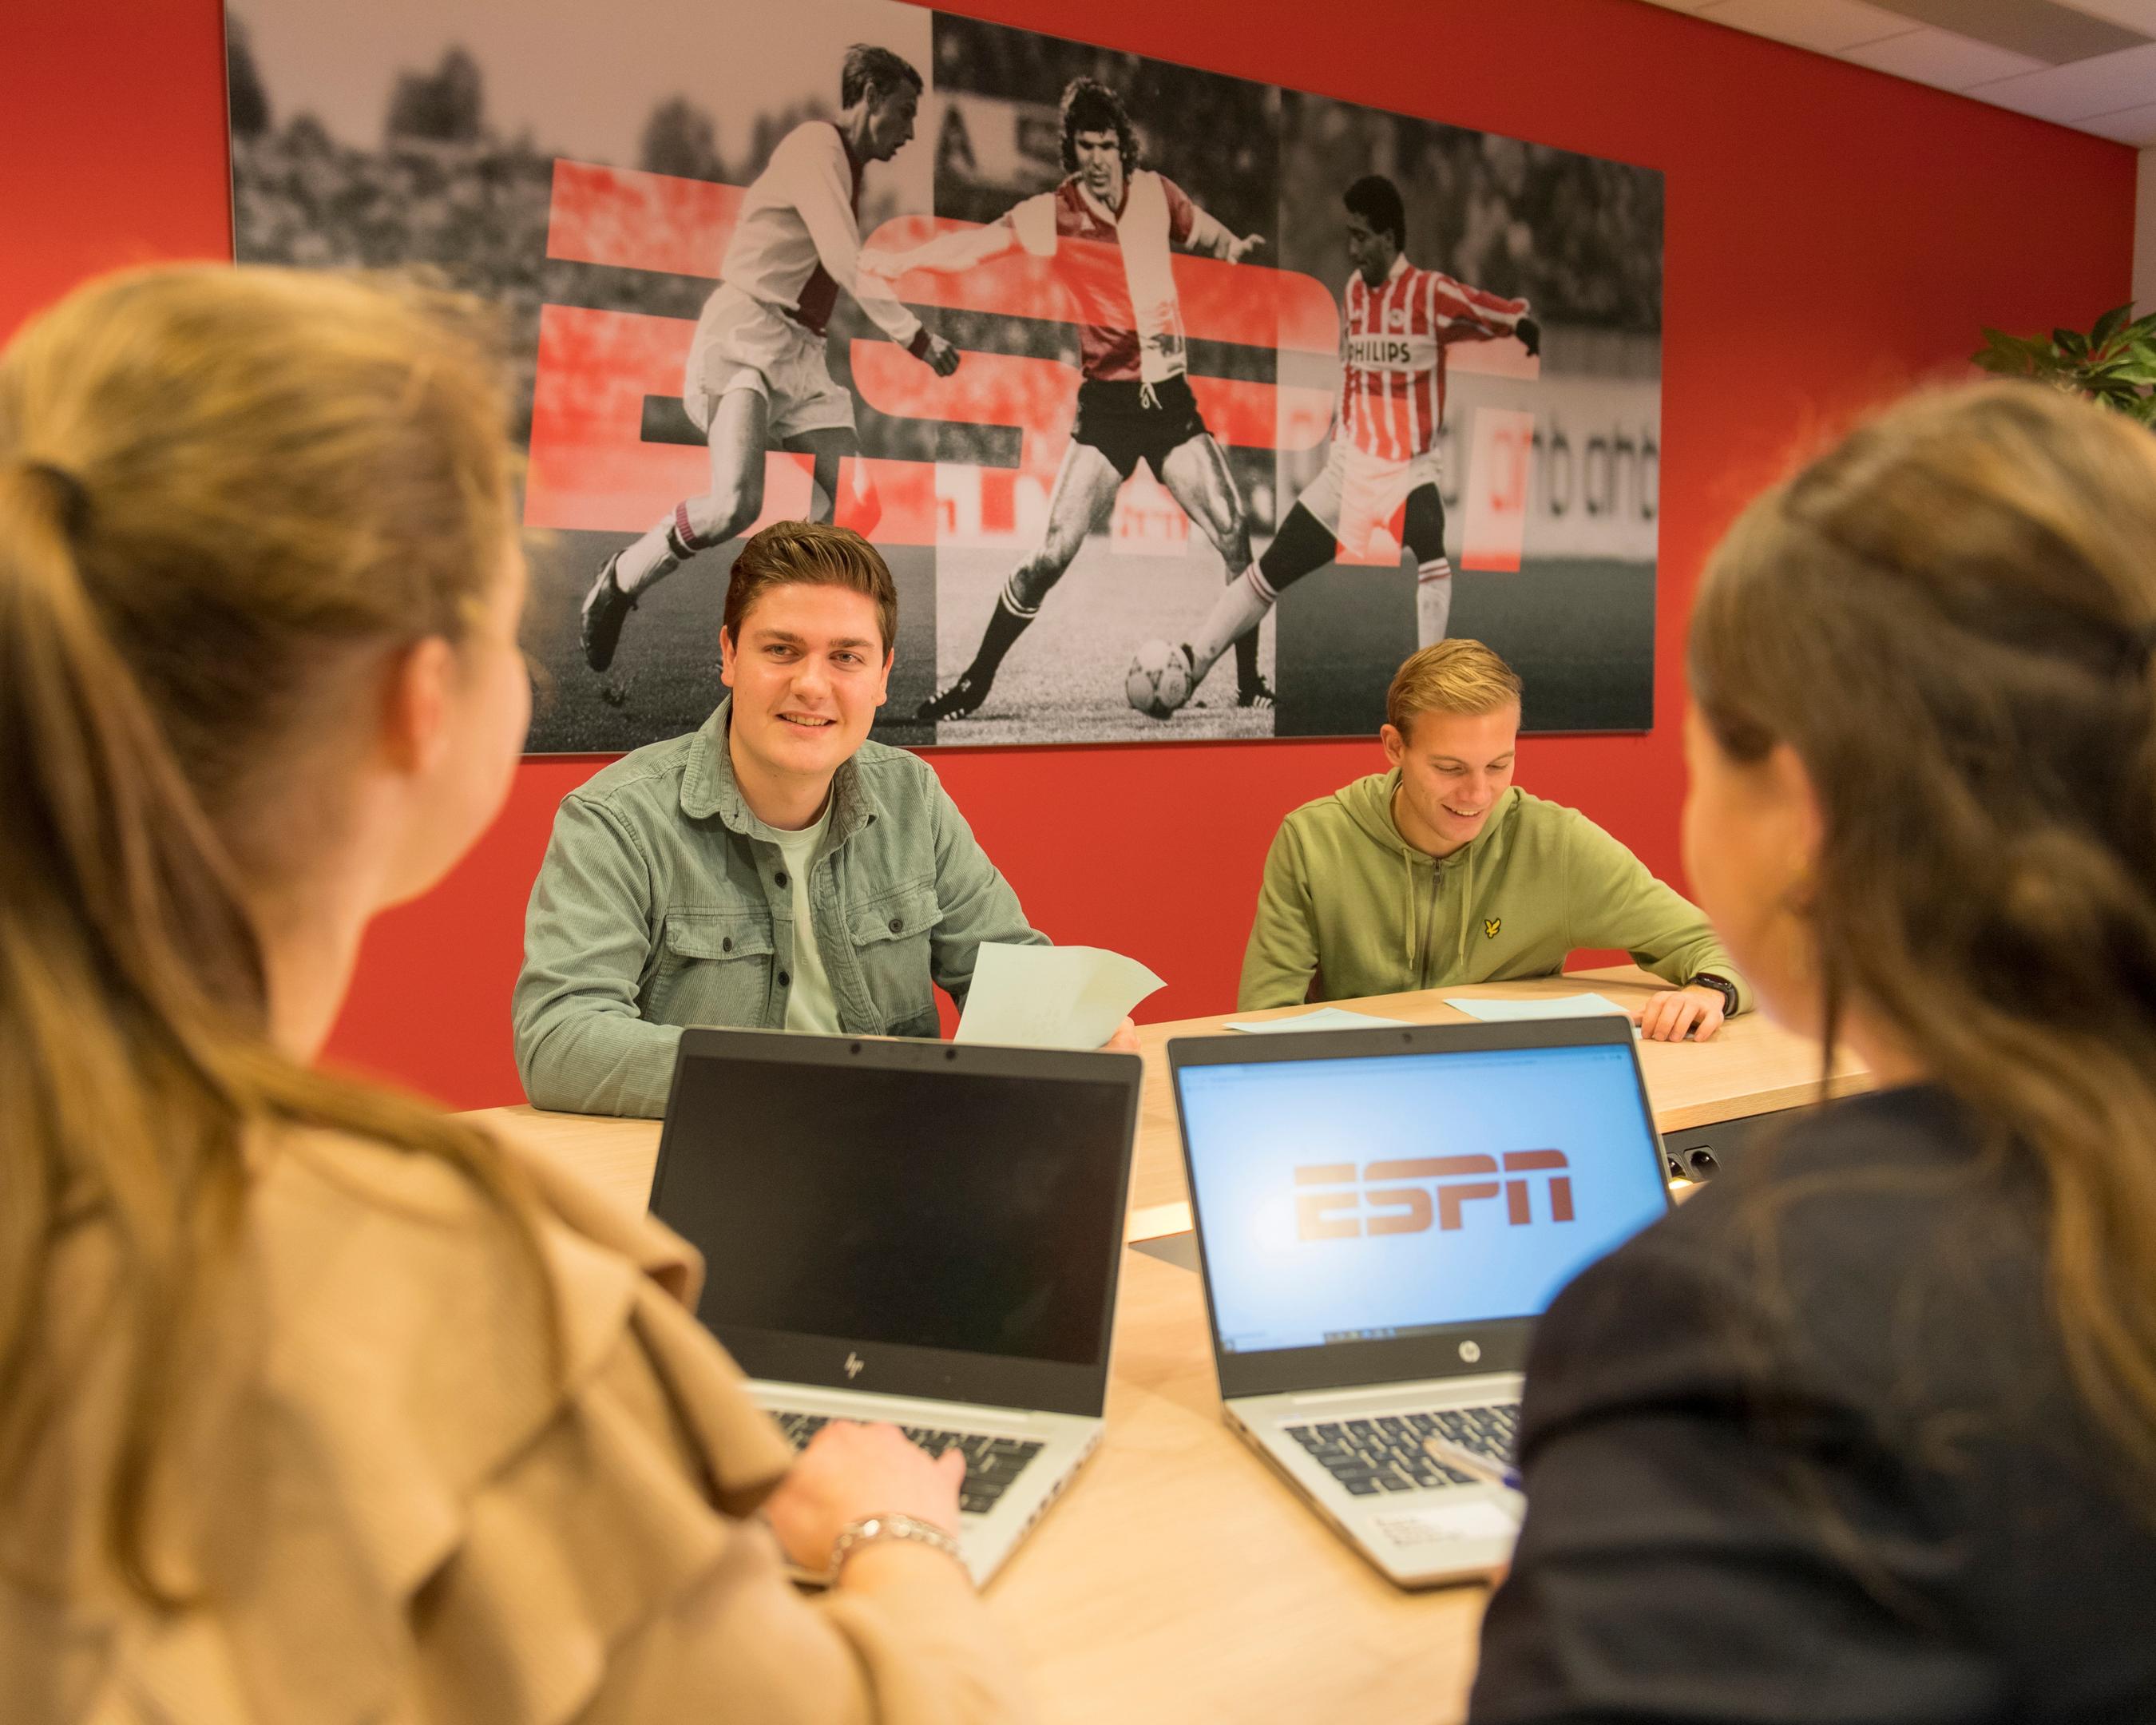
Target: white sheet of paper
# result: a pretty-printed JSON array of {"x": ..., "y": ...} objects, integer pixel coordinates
[
  {"x": 1326, "y": 1017},
  {"x": 1050, "y": 997},
  {"x": 1546, "y": 1006}
]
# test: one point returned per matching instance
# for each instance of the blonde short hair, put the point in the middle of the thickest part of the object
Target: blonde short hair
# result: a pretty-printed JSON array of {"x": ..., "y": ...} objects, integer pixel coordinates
[{"x": 1462, "y": 677}]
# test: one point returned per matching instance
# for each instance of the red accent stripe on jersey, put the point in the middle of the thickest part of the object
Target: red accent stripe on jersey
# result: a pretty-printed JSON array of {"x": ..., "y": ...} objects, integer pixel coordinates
[
  {"x": 819, "y": 294},
  {"x": 1395, "y": 432}
]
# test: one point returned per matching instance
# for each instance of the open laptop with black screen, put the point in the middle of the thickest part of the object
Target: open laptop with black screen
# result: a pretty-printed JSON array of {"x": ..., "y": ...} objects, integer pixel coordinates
[
  {"x": 1381, "y": 1216},
  {"x": 925, "y": 1233}
]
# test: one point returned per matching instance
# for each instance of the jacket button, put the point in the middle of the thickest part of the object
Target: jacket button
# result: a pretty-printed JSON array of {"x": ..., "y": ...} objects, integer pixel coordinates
[
  {"x": 784, "y": 980},
  {"x": 726, "y": 945},
  {"x": 779, "y": 879},
  {"x": 897, "y": 923}
]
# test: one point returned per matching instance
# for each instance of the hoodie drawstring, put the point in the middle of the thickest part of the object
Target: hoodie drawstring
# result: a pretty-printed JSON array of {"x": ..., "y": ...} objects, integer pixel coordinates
[
  {"x": 1466, "y": 899},
  {"x": 1408, "y": 944}
]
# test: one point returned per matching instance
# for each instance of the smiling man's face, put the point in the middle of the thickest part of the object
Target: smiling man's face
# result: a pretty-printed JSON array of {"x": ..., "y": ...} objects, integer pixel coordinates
[
  {"x": 808, "y": 673},
  {"x": 1454, "y": 767}
]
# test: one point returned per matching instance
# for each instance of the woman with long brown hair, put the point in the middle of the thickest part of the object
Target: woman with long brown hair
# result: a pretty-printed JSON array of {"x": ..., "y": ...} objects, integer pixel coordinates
[
  {"x": 316, "y": 1405},
  {"x": 1867, "y": 1430}
]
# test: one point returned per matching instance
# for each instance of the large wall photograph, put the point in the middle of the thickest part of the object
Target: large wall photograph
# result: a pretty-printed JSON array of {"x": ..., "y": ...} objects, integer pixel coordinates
[{"x": 1181, "y": 407}]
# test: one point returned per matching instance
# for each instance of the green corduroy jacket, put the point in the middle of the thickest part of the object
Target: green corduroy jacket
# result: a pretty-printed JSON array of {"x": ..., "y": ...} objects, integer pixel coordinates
[{"x": 658, "y": 906}]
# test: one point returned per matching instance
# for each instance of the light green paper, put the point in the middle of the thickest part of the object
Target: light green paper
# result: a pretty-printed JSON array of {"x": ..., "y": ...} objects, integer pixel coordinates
[{"x": 1050, "y": 997}]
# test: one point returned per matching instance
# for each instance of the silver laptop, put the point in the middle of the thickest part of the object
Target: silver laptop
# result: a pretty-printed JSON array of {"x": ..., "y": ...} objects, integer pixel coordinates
[
  {"x": 1381, "y": 1216},
  {"x": 924, "y": 1232}
]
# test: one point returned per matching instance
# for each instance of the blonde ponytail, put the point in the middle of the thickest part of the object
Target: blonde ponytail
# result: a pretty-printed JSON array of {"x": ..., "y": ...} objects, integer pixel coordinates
[{"x": 216, "y": 486}]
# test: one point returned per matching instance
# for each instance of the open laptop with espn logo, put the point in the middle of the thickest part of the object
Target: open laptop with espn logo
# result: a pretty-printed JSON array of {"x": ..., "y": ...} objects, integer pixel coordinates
[{"x": 1381, "y": 1216}]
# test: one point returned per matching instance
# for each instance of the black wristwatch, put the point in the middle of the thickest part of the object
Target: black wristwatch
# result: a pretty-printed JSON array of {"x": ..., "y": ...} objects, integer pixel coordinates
[{"x": 1722, "y": 985}]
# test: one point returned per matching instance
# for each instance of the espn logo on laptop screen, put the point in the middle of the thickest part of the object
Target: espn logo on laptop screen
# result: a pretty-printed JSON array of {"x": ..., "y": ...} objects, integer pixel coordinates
[
  {"x": 1380, "y": 1204},
  {"x": 1388, "y": 1194}
]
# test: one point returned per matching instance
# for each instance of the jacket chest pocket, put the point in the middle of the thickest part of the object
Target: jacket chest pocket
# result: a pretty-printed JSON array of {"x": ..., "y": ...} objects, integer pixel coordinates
[
  {"x": 714, "y": 968},
  {"x": 890, "y": 936}
]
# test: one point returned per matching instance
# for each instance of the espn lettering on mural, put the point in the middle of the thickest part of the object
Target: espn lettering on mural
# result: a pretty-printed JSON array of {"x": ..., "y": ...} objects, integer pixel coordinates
[{"x": 1182, "y": 407}]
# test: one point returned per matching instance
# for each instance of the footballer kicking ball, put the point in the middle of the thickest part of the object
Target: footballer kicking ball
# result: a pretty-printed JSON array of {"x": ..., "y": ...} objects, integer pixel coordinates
[{"x": 1158, "y": 680}]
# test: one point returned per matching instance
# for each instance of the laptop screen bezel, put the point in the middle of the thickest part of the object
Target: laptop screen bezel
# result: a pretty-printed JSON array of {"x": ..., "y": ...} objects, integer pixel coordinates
[
  {"x": 1463, "y": 1350},
  {"x": 888, "y": 1368}
]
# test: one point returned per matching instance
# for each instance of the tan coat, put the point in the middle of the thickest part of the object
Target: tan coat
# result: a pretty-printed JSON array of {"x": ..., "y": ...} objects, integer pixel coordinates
[{"x": 396, "y": 1516}]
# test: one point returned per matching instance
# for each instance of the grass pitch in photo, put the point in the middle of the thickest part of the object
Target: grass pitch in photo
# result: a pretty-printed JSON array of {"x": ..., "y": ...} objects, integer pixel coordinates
[{"x": 1065, "y": 679}]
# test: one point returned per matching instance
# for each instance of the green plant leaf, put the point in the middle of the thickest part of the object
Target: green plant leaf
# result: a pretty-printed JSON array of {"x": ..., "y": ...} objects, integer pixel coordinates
[
  {"x": 2071, "y": 344},
  {"x": 2110, "y": 324},
  {"x": 2013, "y": 356}
]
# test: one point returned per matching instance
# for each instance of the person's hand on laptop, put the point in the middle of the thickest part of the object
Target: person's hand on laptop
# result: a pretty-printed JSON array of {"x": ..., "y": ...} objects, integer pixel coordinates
[
  {"x": 1674, "y": 1013},
  {"x": 849, "y": 1471},
  {"x": 1124, "y": 1041}
]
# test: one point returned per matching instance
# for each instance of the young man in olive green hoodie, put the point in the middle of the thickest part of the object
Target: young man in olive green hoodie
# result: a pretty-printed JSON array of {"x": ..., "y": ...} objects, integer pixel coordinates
[{"x": 1443, "y": 871}]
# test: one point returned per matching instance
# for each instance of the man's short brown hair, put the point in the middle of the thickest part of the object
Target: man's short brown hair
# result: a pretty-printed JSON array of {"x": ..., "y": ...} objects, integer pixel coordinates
[
  {"x": 1462, "y": 677},
  {"x": 810, "y": 554}
]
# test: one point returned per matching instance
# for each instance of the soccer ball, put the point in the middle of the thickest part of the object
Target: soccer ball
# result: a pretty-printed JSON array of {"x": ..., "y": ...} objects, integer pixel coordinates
[{"x": 1158, "y": 680}]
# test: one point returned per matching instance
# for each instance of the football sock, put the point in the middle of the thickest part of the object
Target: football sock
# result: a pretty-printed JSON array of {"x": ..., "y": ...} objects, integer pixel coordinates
[
  {"x": 1303, "y": 543},
  {"x": 1433, "y": 601},
  {"x": 1242, "y": 604},
  {"x": 1006, "y": 624},
  {"x": 659, "y": 553}
]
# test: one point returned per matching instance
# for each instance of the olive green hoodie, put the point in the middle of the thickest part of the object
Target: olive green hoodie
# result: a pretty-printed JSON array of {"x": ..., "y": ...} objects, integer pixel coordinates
[{"x": 1348, "y": 902}]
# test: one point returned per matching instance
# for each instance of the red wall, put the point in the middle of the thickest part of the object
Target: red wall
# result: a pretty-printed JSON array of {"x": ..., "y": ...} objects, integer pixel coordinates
[{"x": 1832, "y": 232}]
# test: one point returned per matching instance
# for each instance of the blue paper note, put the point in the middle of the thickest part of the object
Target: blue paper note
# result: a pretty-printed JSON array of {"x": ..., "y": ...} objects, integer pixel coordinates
[{"x": 1542, "y": 1006}]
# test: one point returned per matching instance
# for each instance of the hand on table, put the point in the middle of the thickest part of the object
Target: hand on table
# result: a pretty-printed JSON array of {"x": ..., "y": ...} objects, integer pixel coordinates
[
  {"x": 1124, "y": 1041},
  {"x": 1676, "y": 1013}
]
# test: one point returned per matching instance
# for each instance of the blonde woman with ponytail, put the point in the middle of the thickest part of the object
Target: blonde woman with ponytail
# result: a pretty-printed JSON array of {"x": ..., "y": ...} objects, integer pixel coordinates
[
  {"x": 315, "y": 1404},
  {"x": 1867, "y": 1430}
]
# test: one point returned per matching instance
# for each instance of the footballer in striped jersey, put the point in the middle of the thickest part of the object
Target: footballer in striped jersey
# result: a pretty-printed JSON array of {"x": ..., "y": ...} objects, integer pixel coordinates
[
  {"x": 1108, "y": 231},
  {"x": 756, "y": 377},
  {"x": 1397, "y": 323}
]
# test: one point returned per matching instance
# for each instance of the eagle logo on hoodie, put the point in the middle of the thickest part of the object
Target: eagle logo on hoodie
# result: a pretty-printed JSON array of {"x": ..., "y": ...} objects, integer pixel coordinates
[{"x": 1490, "y": 925}]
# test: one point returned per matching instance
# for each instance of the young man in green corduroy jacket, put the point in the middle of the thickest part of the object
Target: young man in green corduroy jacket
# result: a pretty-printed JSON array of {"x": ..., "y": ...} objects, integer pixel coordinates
[{"x": 1443, "y": 871}]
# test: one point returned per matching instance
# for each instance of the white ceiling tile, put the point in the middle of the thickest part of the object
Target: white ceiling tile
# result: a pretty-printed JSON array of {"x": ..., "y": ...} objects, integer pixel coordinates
[
  {"x": 2135, "y": 14},
  {"x": 1942, "y": 58},
  {"x": 2106, "y": 85},
  {"x": 2131, "y": 126},
  {"x": 1828, "y": 25}
]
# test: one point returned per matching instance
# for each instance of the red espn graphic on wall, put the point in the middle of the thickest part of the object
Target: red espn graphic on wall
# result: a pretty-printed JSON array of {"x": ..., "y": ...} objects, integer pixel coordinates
[{"x": 1181, "y": 407}]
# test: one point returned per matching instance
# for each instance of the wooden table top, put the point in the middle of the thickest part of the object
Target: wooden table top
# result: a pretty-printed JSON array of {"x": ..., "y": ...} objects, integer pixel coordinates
[{"x": 1178, "y": 1579}]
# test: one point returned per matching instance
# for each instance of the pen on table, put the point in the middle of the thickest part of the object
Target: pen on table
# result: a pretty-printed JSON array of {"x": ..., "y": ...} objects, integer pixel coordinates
[{"x": 1476, "y": 1465}]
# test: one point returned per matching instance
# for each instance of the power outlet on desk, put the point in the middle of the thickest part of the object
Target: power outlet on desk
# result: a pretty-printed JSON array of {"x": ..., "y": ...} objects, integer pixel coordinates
[{"x": 1700, "y": 1152}]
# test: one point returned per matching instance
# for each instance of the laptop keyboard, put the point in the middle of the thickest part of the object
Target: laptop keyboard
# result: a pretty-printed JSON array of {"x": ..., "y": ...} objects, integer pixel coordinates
[
  {"x": 992, "y": 1463},
  {"x": 1385, "y": 1454}
]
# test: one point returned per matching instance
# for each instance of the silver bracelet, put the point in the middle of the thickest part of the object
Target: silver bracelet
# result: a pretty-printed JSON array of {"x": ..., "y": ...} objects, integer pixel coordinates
[{"x": 891, "y": 1526}]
